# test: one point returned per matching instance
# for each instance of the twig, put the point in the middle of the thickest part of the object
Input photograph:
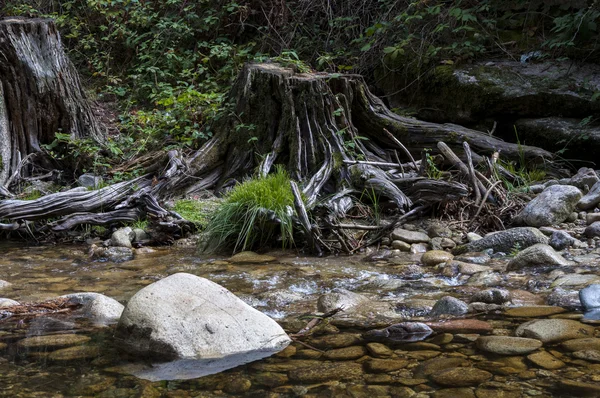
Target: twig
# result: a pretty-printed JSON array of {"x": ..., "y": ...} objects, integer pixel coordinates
[
  {"x": 472, "y": 171},
  {"x": 406, "y": 151},
  {"x": 315, "y": 322},
  {"x": 482, "y": 203}
]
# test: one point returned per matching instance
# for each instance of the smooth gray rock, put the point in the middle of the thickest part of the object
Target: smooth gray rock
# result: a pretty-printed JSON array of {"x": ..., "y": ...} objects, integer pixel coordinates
[
  {"x": 561, "y": 240},
  {"x": 575, "y": 280},
  {"x": 114, "y": 254},
  {"x": 560, "y": 297},
  {"x": 506, "y": 345},
  {"x": 484, "y": 278},
  {"x": 101, "y": 309},
  {"x": 449, "y": 305},
  {"x": 6, "y": 302},
  {"x": 410, "y": 236},
  {"x": 90, "y": 181},
  {"x": 590, "y": 296},
  {"x": 505, "y": 241},
  {"x": 552, "y": 206},
  {"x": 591, "y": 199},
  {"x": 185, "y": 316},
  {"x": 554, "y": 330},
  {"x": 539, "y": 254},
  {"x": 585, "y": 178},
  {"x": 592, "y": 230},
  {"x": 492, "y": 296},
  {"x": 122, "y": 237},
  {"x": 140, "y": 235}
]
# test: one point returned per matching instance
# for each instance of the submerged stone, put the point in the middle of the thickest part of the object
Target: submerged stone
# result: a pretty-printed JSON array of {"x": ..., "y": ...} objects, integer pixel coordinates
[
  {"x": 461, "y": 377},
  {"x": 554, "y": 330},
  {"x": 249, "y": 257},
  {"x": 507, "y": 345},
  {"x": 51, "y": 341}
]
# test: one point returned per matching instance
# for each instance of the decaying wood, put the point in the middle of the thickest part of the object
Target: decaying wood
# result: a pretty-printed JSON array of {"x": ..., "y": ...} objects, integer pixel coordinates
[
  {"x": 304, "y": 220},
  {"x": 54, "y": 306},
  {"x": 40, "y": 93}
]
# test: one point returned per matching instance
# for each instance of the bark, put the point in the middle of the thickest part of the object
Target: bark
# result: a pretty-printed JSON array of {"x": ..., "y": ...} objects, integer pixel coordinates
[{"x": 40, "y": 93}]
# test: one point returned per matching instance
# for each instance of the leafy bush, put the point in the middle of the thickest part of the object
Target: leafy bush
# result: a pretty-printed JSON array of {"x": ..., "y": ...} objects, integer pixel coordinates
[{"x": 254, "y": 214}]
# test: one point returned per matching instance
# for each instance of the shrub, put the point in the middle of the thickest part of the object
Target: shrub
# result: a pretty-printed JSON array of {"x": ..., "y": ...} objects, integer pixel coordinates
[{"x": 253, "y": 214}]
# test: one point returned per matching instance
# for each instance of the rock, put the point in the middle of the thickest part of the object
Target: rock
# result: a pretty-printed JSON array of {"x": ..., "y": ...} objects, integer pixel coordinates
[
  {"x": 581, "y": 344},
  {"x": 437, "y": 365},
  {"x": 461, "y": 377},
  {"x": 249, "y": 257},
  {"x": 270, "y": 379},
  {"x": 575, "y": 280},
  {"x": 533, "y": 311},
  {"x": 51, "y": 341},
  {"x": 385, "y": 365},
  {"x": 591, "y": 218},
  {"x": 113, "y": 254},
  {"x": 401, "y": 332},
  {"x": 75, "y": 353},
  {"x": 474, "y": 258},
  {"x": 591, "y": 199},
  {"x": 506, "y": 345},
  {"x": 473, "y": 237},
  {"x": 4, "y": 284},
  {"x": 326, "y": 371},
  {"x": 419, "y": 248},
  {"x": 122, "y": 237},
  {"x": 379, "y": 350},
  {"x": 504, "y": 241},
  {"x": 561, "y": 240},
  {"x": 579, "y": 388},
  {"x": 588, "y": 355},
  {"x": 492, "y": 296},
  {"x": 454, "y": 393},
  {"x": 97, "y": 307},
  {"x": 585, "y": 178},
  {"x": 345, "y": 354},
  {"x": 461, "y": 326},
  {"x": 552, "y": 206},
  {"x": 410, "y": 236},
  {"x": 6, "y": 302},
  {"x": 471, "y": 269},
  {"x": 140, "y": 235},
  {"x": 435, "y": 257},
  {"x": 335, "y": 341},
  {"x": 340, "y": 298},
  {"x": 560, "y": 297},
  {"x": 484, "y": 278},
  {"x": 449, "y": 305},
  {"x": 590, "y": 297},
  {"x": 545, "y": 360},
  {"x": 90, "y": 181},
  {"x": 400, "y": 245},
  {"x": 554, "y": 330},
  {"x": 185, "y": 316},
  {"x": 592, "y": 230},
  {"x": 539, "y": 254}
]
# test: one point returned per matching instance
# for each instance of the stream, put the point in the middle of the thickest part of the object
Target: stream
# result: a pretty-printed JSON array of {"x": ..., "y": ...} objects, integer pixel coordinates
[{"x": 336, "y": 362}]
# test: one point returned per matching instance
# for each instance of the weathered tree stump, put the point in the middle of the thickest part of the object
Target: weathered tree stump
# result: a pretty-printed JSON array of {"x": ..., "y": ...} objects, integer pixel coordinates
[{"x": 40, "y": 93}]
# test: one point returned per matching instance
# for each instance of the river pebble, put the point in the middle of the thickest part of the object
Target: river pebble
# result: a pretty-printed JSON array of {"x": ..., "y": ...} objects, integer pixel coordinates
[
  {"x": 554, "y": 330},
  {"x": 506, "y": 345},
  {"x": 461, "y": 377}
]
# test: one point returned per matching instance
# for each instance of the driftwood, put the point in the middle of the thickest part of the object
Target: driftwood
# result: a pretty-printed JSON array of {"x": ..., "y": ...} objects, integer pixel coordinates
[{"x": 40, "y": 93}]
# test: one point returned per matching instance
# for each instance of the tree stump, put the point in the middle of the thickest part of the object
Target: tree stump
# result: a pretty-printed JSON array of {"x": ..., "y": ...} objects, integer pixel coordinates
[{"x": 40, "y": 93}]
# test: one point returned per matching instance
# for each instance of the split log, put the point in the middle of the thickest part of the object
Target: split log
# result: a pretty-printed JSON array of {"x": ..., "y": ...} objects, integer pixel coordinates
[{"x": 40, "y": 93}]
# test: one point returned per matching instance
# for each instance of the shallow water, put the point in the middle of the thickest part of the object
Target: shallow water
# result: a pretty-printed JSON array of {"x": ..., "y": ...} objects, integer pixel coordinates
[{"x": 283, "y": 290}]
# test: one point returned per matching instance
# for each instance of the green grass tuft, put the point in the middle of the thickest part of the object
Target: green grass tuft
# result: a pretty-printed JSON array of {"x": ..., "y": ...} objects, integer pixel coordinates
[{"x": 254, "y": 214}]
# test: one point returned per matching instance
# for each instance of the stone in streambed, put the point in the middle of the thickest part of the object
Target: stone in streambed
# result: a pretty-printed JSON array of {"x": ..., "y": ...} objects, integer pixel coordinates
[
  {"x": 75, "y": 353},
  {"x": 554, "y": 330},
  {"x": 591, "y": 199},
  {"x": 400, "y": 332},
  {"x": 546, "y": 360},
  {"x": 410, "y": 236},
  {"x": 581, "y": 344},
  {"x": 449, "y": 305},
  {"x": 461, "y": 377},
  {"x": 50, "y": 341},
  {"x": 533, "y": 311},
  {"x": 579, "y": 388},
  {"x": 340, "y": 298},
  {"x": 506, "y": 345},
  {"x": 185, "y": 316},
  {"x": 539, "y": 254},
  {"x": 561, "y": 240},
  {"x": 345, "y": 354},
  {"x": 6, "y": 302},
  {"x": 588, "y": 355},
  {"x": 102, "y": 310},
  {"x": 590, "y": 297},
  {"x": 461, "y": 326},
  {"x": 249, "y": 257},
  {"x": 385, "y": 365},
  {"x": 122, "y": 237},
  {"x": 552, "y": 206},
  {"x": 592, "y": 230},
  {"x": 575, "y": 280},
  {"x": 436, "y": 365},
  {"x": 325, "y": 371},
  {"x": 504, "y": 241},
  {"x": 435, "y": 257},
  {"x": 492, "y": 296}
]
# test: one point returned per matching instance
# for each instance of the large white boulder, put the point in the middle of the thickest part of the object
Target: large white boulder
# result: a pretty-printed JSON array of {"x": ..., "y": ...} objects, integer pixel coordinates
[{"x": 185, "y": 316}]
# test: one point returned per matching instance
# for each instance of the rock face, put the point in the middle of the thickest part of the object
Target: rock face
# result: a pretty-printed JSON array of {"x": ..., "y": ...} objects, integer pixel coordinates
[
  {"x": 554, "y": 330},
  {"x": 539, "y": 254},
  {"x": 506, "y": 345},
  {"x": 552, "y": 206},
  {"x": 185, "y": 316},
  {"x": 505, "y": 241},
  {"x": 97, "y": 307}
]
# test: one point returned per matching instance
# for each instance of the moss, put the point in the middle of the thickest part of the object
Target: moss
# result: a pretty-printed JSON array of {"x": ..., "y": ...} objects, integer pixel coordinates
[{"x": 196, "y": 211}]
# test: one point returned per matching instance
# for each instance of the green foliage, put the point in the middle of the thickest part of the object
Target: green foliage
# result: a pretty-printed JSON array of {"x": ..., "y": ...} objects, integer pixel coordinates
[
  {"x": 253, "y": 214},
  {"x": 196, "y": 211},
  {"x": 433, "y": 172},
  {"x": 140, "y": 224}
]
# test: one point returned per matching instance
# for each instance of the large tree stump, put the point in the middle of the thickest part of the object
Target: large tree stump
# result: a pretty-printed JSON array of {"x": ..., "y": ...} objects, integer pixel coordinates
[{"x": 40, "y": 92}]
